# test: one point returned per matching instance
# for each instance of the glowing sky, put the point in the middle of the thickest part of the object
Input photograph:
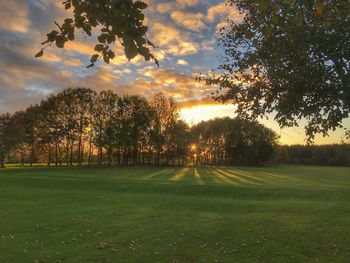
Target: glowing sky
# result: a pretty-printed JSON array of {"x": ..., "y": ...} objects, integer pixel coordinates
[{"x": 183, "y": 30}]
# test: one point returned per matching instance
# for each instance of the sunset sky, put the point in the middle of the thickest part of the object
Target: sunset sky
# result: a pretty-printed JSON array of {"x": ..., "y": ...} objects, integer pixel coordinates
[{"x": 183, "y": 31}]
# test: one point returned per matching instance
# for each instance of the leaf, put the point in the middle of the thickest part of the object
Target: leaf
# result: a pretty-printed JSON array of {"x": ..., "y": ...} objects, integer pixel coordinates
[
  {"x": 106, "y": 58},
  {"x": 150, "y": 43},
  {"x": 68, "y": 20},
  {"x": 131, "y": 50},
  {"x": 111, "y": 54},
  {"x": 70, "y": 35},
  {"x": 94, "y": 58},
  {"x": 263, "y": 5},
  {"x": 39, "y": 54},
  {"x": 155, "y": 60},
  {"x": 140, "y": 5},
  {"x": 99, "y": 47},
  {"x": 60, "y": 40},
  {"x": 249, "y": 34},
  {"x": 319, "y": 9},
  {"x": 52, "y": 35}
]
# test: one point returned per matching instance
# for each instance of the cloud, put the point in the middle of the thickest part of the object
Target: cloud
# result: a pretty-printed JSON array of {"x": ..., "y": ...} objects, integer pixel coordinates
[
  {"x": 168, "y": 7},
  {"x": 182, "y": 62},
  {"x": 223, "y": 11},
  {"x": 14, "y": 16},
  {"x": 191, "y": 21},
  {"x": 25, "y": 80},
  {"x": 173, "y": 83},
  {"x": 164, "y": 7},
  {"x": 172, "y": 40},
  {"x": 187, "y": 3}
]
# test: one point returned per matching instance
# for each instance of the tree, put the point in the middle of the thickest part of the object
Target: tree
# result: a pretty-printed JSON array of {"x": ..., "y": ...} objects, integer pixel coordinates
[
  {"x": 289, "y": 57},
  {"x": 229, "y": 141},
  {"x": 117, "y": 20},
  {"x": 6, "y": 141},
  {"x": 31, "y": 127},
  {"x": 166, "y": 114},
  {"x": 56, "y": 127},
  {"x": 125, "y": 128},
  {"x": 83, "y": 102},
  {"x": 107, "y": 123},
  {"x": 178, "y": 141}
]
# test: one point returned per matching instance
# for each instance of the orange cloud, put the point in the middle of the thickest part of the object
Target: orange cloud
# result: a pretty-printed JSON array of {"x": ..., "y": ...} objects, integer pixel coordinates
[
  {"x": 185, "y": 3},
  {"x": 18, "y": 22},
  {"x": 221, "y": 12},
  {"x": 164, "y": 7},
  {"x": 172, "y": 40},
  {"x": 191, "y": 21}
]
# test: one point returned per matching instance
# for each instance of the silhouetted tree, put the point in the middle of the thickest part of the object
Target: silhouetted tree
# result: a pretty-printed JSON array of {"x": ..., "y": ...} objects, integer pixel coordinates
[
  {"x": 229, "y": 141},
  {"x": 290, "y": 58}
]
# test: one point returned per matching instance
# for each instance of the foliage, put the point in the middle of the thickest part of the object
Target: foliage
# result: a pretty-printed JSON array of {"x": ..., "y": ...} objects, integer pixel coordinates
[
  {"x": 7, "y": 142},
  {"x": 288, "y": 57},
  {"x": 117, "y": 20},
  {"x": 233, "y": 141},
  {"x": 79, "y": 125},
  {"x": 330, "y": 155}
]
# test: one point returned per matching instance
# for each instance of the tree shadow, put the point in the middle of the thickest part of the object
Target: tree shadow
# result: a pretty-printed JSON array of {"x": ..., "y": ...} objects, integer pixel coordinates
[
  {"x": 181, "y": 174},
  {"x": 238, "y": 178},
  {"x": 161, "y": 174}
]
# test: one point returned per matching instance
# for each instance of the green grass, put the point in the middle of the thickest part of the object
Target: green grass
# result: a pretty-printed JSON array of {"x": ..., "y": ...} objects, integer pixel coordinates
[{"x": 271, "y": 214}]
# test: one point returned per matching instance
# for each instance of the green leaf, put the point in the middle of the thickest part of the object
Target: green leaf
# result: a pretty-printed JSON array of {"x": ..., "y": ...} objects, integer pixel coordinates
[
  {"x": 52, "y": 36},
  {"x": 131, "y": 50},
  {"x": 249, "y": 34},
  {"x": 60, "y": 41},
  {"x": 263, "y": 5}
]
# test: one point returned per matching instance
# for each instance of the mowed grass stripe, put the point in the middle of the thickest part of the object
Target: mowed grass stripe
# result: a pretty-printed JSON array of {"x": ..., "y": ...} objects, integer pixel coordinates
[{"x": 147, "y": 214}]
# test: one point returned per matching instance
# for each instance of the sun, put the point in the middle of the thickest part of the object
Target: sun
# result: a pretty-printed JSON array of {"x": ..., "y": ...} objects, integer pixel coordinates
[{"x": 196, "y": 114}]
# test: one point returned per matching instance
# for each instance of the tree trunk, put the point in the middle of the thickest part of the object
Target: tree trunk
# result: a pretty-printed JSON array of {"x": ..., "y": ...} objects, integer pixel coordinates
[
  {"x": 71, "y": 153},
  {"x": 56, "y": 154},
  {"x": 2, "y": 158},
  {"x": 79, "y": 150}
]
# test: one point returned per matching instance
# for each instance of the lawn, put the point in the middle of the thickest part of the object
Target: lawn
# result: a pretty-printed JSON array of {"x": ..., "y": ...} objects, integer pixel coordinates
[{"x": 180, "y": 214}]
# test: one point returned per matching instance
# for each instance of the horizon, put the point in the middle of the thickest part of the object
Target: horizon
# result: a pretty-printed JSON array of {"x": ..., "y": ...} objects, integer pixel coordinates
[{"x": 183, "y": 31}]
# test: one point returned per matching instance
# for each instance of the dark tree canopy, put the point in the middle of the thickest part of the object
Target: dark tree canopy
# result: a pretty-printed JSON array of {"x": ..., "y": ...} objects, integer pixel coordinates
[
  {"x": 117, "y": 20},
  {"x": 290, "y": 57}
]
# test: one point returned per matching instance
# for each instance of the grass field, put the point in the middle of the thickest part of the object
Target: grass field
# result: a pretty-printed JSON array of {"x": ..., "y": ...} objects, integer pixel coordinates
[{"x": 271, "y": 214}]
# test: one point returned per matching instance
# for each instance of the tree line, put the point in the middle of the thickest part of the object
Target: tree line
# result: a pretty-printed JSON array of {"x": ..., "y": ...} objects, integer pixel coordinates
[
  {"x": 226, "y": 141},
  {"x": 331, "y": 155},
  {"x": 80, "y": 126}
]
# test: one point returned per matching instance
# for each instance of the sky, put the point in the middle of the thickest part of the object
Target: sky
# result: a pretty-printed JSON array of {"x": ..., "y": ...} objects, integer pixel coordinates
[{"x": 184, "y": 32}]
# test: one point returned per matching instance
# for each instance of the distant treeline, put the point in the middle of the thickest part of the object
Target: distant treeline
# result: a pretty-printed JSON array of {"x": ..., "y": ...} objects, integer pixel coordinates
[
  {"x": 79, "y": 126},
  {"x": 332, "y": 155}
]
